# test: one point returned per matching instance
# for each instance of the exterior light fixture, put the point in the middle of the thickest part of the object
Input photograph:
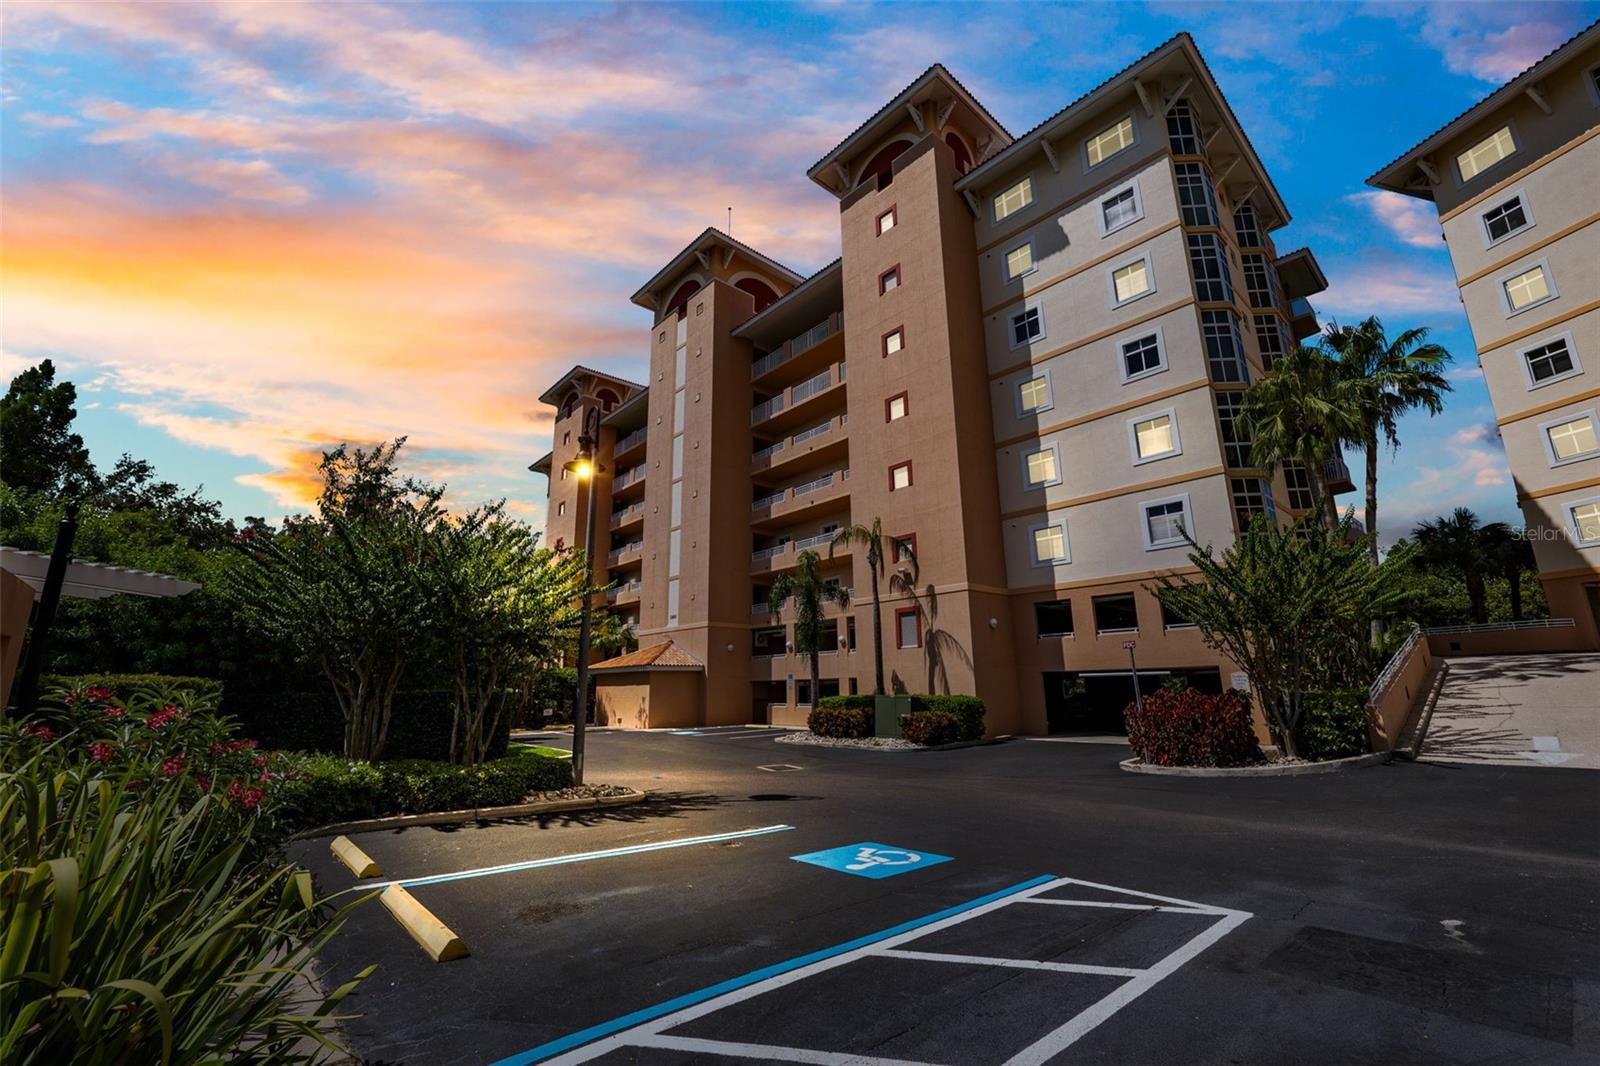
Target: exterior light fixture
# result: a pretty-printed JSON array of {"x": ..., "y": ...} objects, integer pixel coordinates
[{"x": 586, "y": 468}]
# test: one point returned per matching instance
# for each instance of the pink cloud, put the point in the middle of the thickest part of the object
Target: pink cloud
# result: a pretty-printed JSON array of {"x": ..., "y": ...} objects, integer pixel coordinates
[
  {"x": 1472, "y": 43},
  {"x": 1414, "y": 222},
  {"x": 1378, "y": 284}
]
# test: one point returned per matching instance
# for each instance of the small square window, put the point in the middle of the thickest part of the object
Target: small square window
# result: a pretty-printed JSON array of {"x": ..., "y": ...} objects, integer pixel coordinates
[
  {"x": 900, "y": 476},
  {"x": 1572, "y": 439},
  {"x": 566, "y": 438},
  {"x": 908, "y": 627},
  {"x": 1506, "y": 218},
  {"x": 1165, "y": 522},
  {"x": 1154, "y": 437},
  {"x": 894, "y": 408},
  {"x": 1041, "y": 468},
  {"x": 1050, "y": 544},
  {"x": 893, "y": 341},
  {"x": 889, "y": 280},
  {"x": 1131, "y": 282},
  {"x": 1109, "y": 142},
  {"x": 1033, "y": 395},
  {"x": 1053, "y": 618},
  {"x": 886, "y": 221},
  {"x": 1171, "y": 619},
  {"x": 699, "y": 309},
  {"x": 1019, "y": 261},
  {"x": 1142, "y": 356},
  {"x": 1027, "y": 326},
  {"x": 905, "y": 548},
  {"x": 1552, "y": 361},
  {"x": 1486, "y": 153},
  {"x": 1013, "y": 199},
  {"x": 1586, "y": 521},
  {"x": 1115, "y": 614},
  {"x": 1530, "y": 288},
  {"x": 661, "y": 337},
  {"x": 1122, "y": 208}
]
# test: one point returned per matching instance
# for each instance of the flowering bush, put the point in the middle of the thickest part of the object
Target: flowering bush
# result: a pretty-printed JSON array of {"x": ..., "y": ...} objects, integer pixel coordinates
[{"x": 1190, "y": 728}]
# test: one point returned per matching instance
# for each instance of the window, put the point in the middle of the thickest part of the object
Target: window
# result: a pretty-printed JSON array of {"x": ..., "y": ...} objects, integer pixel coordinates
[
  {"x": 1041, "y": 468},
  {"x": 1586, "y": 521},
  {"x": 1270, "y": 339},
  {"x": 1183, "y": 132},
  {"x": 1154, "y": 437},
  {"x": 905, "y": 548},
  {"x": 893, "y": 341},
  {"x": 1551, "y": 361},
  {"x": 699, "y": 309},
  {"x": 1572, "y": 439},
  {"x": 908, "y": 627},
  {"x": 1027, "y": 326},
  {"x": 1486, "y": 153},
  {"x": 1251, "y": 496},
  {"x": 1224, "y": 346},
  {"x": 1171, "y": 619},
  {"x": 1053, "y": 618},
  {"x": 1506, "y": 218},
  {"x": 1013, "y": 199},
  {"x": 1236, "y": 442},
  {"x": 1260, "y": 281},
  {"x": 1196, "y": 195},
  {"x": 894, "y": 408},
  {"x": 1530, "y": 288},
  {"x": 1019, "y": 261},
  {"x": 1033, "y": 395},
  {"x": 1130, "y": 282},
  {"x": 1165, "y": 522},
  {"x": 889, "y": 280},
  {"x": 1594, "y": 84},
  {"x": 561, "y": 508},
  {"x": 1212, "y": 279},
  {"x": 1122, "y": 208},
  {"x": 1050, "y": 544},
  {"x": 1302, "y": 497},
  {"x": 566, "y": 438},
  {"x": 1246, "y": 227},
  {"x": 1142, "y": 356},
  {"x": 886, "y": 221},
  {"x": 1115, "y": 614},
  {"x": 900, "y": 476},
  {"x": 1109, "y": 142}
]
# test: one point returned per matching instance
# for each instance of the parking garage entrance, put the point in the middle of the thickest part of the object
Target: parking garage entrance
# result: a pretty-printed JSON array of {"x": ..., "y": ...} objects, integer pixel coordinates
[{"x": 1093, "y": 702}]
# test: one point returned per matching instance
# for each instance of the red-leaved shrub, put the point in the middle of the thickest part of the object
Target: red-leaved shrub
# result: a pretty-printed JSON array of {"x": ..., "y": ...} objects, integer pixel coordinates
[
  {"x": 1190, "y": 728},
  {"x": 849, "y": 722},
  {"x": 933, "y": 727}
]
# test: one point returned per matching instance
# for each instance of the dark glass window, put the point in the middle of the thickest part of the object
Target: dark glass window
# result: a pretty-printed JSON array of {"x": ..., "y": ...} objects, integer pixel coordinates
[
  {"x": 1236, "y": 440},
  {"x": 1224, "y": 346},
  {"x": 1251, "y": 496},
  {"x": 1213, "y": 281},
  {"x": 1549, "y": 360},
  {"x": 1260, "y": 281},
  {"x": 1246, "y": 227},
  {"x": 1183, "y": 131},
  {"x": 1054, "y": 617},
  {"x": 1298, "y": 481},
  {"x": 1196, "y": 195},
  {"x": 1505, "y": 219},
  {"x": 1115, "y": 612},
  {"x": 1141, "y": 355},
  {"x": 1172, "y": 619},
  {"x": 1271, "y": 339}
]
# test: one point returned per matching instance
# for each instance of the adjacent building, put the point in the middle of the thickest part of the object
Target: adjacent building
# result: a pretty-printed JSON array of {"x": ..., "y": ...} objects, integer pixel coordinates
[
  {"x": 1516, "y": 180},
  {"x": 1027, "y": 364}
]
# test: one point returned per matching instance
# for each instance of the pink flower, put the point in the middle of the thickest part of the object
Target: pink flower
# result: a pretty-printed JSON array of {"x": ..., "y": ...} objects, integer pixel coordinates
[
  {"x": 172, "y": 767},
  {"x": 203, "y": 781},
  {"x": 38, "y": 731},
  {"x": 218, "y": 748},
  {"x": 102, "y": 752},
  {"x": 252, "y": 798},
  {"x": 111, "y": 710},
  {"x": 98, "y": 694}
]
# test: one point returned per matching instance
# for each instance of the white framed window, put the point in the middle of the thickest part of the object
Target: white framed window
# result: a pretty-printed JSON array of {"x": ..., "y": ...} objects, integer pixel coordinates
[
  {"x": 1047, "y": 542},
  {"x": 1142, "y": 355},
  {"x": 1034, "y": 394},
  {"x": 1019, "y": 261},
  {"x": 1154, "y": 435},
  {"x": 1163, "y": 522},
  {"x": 1505, "y": 218},
  {"x": 1132, "y": 280},
  {"x": 1571, "y": 438},
  {"x": 1585, "y": 517},
  {"x": 1552, "y": 359},
  {"x": 1529, "y": 287},
  {"x": 1499, "y": 145},
  {"x": 1013, "y": 199},
  {"x": 1118, "y": 136},
  {"x": 1042, "y": 468},
  {"x": 1120, "y": 208},
  {"x": 1027, "y": 326}
]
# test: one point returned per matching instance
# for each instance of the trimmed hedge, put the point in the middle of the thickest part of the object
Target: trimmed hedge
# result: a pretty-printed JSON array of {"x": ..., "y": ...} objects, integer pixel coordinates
[
  {"x": 124, "y": 686},
  {"x": 419, "y": 727},
  {"x": 935, "y": 727},
  {"x": 1333, "y": 724},
  {"x": 968, "y": 711},
  {"x": 846, "y": 722},
  {"x": 1191, "y": 728},
  {"x": 847, "y": 703}
]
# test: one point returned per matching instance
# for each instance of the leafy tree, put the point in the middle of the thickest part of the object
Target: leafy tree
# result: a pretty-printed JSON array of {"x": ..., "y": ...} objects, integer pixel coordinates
[
  {"x": 1291, "y": 607},
  {"x": 41, "y": 453},
  {"x": 1302, "y": 411},
  {"x": 1510, "y": 556},
  {"x": 877, "y": 545},
  {"x": 1388, "y": 378},
  {"x": 1462, "y": 543},
  {"x": 810, "y": 593},
  {"x": 939, "y": 645}
]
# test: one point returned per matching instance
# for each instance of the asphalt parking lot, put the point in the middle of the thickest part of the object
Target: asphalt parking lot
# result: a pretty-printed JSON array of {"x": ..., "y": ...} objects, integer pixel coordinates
[{"x": 1020, "y": 902}]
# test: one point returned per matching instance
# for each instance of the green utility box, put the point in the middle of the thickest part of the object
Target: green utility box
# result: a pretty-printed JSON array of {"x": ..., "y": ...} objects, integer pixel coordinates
[{"x": 886, "y": 712}]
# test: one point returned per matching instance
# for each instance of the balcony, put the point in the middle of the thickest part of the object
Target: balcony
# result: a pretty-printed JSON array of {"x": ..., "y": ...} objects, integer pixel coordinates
[
  {"x": 631, "y": 515},
  {"x": 1337, "y": 474},
  {"x": 801, "y": 402},
  {"x": 813, "y": 446},
  {"x": 626, "y": 592},
  {"x": 797, "y": 346},
  {"x": 827, "y": 491},
  {"x": 1302, "y": 319},
  {"x": 628, "y": 483},
  {"x": 629, "y": 443},
  {"x": 626, "y": 554},
  {"x": 781, "y": 557}
]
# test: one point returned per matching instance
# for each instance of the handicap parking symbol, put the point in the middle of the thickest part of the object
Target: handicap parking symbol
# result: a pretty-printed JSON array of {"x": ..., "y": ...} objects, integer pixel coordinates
[{"x": 870, "y": 859}]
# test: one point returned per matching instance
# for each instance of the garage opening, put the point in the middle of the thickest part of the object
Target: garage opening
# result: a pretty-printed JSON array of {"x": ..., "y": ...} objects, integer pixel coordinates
[{"x": 1091, "y": 702}]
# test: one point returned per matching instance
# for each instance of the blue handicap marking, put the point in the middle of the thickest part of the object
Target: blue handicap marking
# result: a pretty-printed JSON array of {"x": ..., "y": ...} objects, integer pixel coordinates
[{"x": 870, "y": 859}]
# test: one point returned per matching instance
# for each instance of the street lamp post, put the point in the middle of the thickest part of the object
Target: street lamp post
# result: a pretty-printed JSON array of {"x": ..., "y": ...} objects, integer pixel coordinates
[{"x": 587, "y": 469}]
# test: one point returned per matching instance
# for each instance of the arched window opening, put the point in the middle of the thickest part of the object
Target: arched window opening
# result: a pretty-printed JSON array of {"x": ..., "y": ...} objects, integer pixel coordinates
[
  {"x": 959, "y": 149},
  {"x": 679, "y": 304},
  {"x": 607, "y": 398},
  {"x": 881, "y": 169},
  {"x": 760, "y": 290},
  {"x": 569, "y": 405}
]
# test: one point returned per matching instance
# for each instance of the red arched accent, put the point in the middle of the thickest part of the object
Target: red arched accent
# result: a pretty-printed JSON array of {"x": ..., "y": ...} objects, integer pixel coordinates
[
  {"x": 881, "y": 169},
  {"x": 963, "y": 157},
  {"x": 569, "y": 404},
  {"x": 607, "y": 398},
  {"x": 762, "y": 292},
  {"x": 680, "y": 299}
]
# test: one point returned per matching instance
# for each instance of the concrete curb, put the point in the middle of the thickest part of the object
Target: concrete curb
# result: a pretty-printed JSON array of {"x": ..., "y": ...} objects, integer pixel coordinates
[
  {"x": 1332, "y": 766},
  {"x": 1415, "y": 733},
  {"x": 477, "y": 814},
  {"x": 956, "y": 746}
]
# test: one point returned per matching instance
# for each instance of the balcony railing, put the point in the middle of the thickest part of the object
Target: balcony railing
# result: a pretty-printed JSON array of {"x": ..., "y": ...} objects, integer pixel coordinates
[
  {"x": 798, "y": 345},
  {"x": 624, "y": 589},
  {"x": 631, "y": 440},
  {"x": 768, "y": 501},
  {"x": 615, "y": 556},
  {"x": 627, "y": 514},
  {"x": 768, "y": 553},
  {"x": 628, "y": 477},
  {"x": 768, "y": 452},
  {"x": 766, "y": 409},
  {"x": 814, "y": 485},
  {"x": 810, "y": 387},
  {"x": 814, "y": 431},
  {"x": 821, "y": 540}
]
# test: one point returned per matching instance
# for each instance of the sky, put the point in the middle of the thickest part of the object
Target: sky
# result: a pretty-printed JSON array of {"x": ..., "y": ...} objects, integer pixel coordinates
[{"x": 250, "y": 231}]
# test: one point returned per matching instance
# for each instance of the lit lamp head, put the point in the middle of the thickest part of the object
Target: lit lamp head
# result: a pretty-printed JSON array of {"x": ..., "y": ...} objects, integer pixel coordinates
[{"x": 582, "y": 467}]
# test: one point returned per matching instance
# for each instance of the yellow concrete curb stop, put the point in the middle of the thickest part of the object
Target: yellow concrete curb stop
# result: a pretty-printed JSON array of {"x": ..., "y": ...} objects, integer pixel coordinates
[
  {"x": 434, "y": 936},
  {"x": 360, "y": 863}
]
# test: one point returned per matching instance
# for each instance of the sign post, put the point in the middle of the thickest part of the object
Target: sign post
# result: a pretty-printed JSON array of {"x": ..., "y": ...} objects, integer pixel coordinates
[{"x": 1138, "y": 700}]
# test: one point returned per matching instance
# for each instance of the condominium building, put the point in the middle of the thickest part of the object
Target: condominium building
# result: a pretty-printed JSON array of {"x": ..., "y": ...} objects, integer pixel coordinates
[
  {"x": 1516, "y": 180},
  {"x": 1027, "y": 365}
]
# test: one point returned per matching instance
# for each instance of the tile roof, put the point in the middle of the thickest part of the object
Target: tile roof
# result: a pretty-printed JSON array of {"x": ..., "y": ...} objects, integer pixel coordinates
[
  {"x": 549, "y": 395},
  {"x": 677, "y": 261},
  {"x": 663, "y": 656}
]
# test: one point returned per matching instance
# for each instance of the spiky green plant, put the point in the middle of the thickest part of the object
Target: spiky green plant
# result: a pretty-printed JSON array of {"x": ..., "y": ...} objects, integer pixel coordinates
[{"x": 810, "y": 593}]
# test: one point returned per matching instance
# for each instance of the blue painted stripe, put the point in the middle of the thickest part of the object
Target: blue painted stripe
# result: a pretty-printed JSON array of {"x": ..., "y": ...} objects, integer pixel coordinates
[
  {"x": 660, "y": 1010},
  {"x": 588, "y": 856}
]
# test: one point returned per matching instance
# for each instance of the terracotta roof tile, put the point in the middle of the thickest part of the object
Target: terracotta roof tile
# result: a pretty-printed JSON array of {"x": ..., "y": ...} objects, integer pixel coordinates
[{"x": 663, "y": 656}]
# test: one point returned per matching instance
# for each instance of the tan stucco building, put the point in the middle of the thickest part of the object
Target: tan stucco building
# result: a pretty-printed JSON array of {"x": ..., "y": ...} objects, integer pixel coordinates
[
  {"x": 1047, "y": 340},
  {"x": 1516, "y": 180}
]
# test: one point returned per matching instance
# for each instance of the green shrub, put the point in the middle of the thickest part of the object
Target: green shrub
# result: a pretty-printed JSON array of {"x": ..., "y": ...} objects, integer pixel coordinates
[
  {"x": 846, "y": 722},
  {"x": 847, "y": 703},
  {"x": 936, "y": 727},
  {"x": 124, "y": 686},
  {"x": 1333, "y": 724},
  {"x": 419, "y": 726},
  {"x": 331, "y": 788},
  {"x": 968, "y": 709},
  {"x": 1191, "y": 728},
  {"x": 417, "y": 786}
]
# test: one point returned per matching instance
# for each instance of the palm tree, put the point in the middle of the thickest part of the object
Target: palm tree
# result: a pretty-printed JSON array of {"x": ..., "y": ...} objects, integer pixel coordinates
[
  {"x": 1388, "y": 378},
  {"x": 1302, "y": 411},
  {"x": 1510, "y": 556},
  {"x": 877, "y": 546},
  {"x": 1461, "y": 543},
  {"x": 810, "y": 593}
]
